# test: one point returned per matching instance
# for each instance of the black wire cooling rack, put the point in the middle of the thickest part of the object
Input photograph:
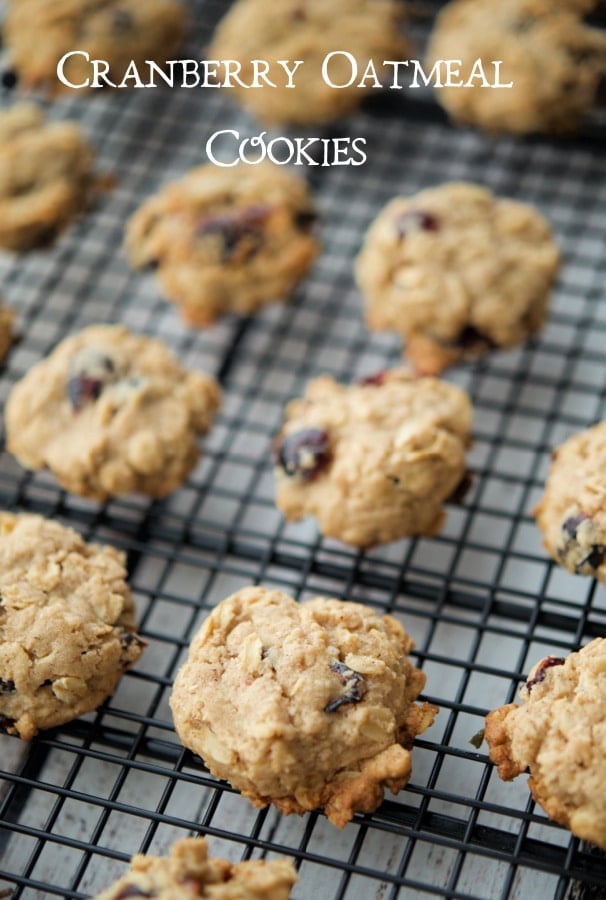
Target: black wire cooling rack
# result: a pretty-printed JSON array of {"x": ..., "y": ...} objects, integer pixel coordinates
[{"x": 481, "y": 599}]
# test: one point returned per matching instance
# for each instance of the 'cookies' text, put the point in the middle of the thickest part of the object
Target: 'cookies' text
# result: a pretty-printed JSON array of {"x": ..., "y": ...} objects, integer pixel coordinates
[{"x": 230, "y": 150}]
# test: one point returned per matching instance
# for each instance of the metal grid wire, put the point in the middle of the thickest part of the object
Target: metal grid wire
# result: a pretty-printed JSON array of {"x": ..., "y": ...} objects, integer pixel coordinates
[{"x": 481, "y": 600}]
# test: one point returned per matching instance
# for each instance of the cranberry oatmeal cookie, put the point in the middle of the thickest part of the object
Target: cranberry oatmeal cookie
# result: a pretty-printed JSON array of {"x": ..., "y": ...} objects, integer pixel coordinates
[
  {"x": 554, "y": 60},
  {"x": 188, "y": 872},
  {"x": 309, "y": 30},
  {"x": 67, "y": 624},
  {"x": 225, "y": 240},
  {"x": 38, "y": 34},
  {"x": 374, "y": 461},
  {"x": 305, "y": 706},
  {"x": 46, "y": 177},
  {"x": 110, "y": 412},
  {"x": 572, "y": 511},
  {"x": 558, "y": 734},
  {"x": 457, "y": 271}
]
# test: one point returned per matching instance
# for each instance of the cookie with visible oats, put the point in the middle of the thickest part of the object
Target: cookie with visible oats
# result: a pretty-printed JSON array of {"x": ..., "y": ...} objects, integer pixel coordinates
[
  {"x": 572, "y": 511},
  {"x": 306, "y": 706},
  {"x": 225, "y": 240},
  {"x": 558, "y": 735},
  {"x": 188, "y": 872},
  {"x": 457, "y": 271},
  {"x": 373, "y": 461},
  {"x": 110, "y": 412},
  {"x": 67, "y": 624},
  {"x": 555, "y": 61},
  {"x": 46, "y": 177},
  {"x": 38, "y": 33},
  {"x": 309, "y": 30}
]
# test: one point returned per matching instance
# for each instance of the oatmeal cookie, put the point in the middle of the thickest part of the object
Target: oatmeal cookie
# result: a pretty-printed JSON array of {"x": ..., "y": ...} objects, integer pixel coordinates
[
  {"x": 110, "y": 412},
  {"x": 309, "y": 30},
  {"x": 38, "y": 33},
  {"x": 188, "y": 872},
  {"x": 225, "y": 240},
  {"x": 554, "y": 60},
  {"x": 67, "y": 624},
  {"x": 456, "y": 271},
  {"x": 374, "y": 461},
  {"x": 46, "y": 177},
  {"x": 559, "y": 734},
  {"x": 572, "y": 511},
  {"x": 305, "y": 706}
]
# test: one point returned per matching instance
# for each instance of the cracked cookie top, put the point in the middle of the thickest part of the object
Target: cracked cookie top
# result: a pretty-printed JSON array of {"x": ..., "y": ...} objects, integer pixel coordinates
[
  {"x": 110, "y": 412},
  {"x": 305, "y": 706},
  {"x": 67, "y": 624}
]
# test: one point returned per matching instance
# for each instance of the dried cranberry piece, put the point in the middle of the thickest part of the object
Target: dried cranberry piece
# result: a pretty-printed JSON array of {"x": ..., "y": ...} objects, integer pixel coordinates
[
  {"x": 594, "y": 558},
  {"x": 304, "y": 453},
  {"x": 89, "y": 372},
  {"x": 545, "y": 664},
  {"x": 7, "y": 687},
  {"x": 131, "y": 890},
  {"x": 129, "y": 640},
  {"x": 416, "y": 220},
  {"x": 585, "y": 556},
  {"x": 82, "y": 389},
  {"x": 571, "y": 524},
  {"x": 354, "y": 684},
  {"x": 6, "y": 724},
  {"x": 375, "y": 380},
  {"x": 234, "y": 227}
]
